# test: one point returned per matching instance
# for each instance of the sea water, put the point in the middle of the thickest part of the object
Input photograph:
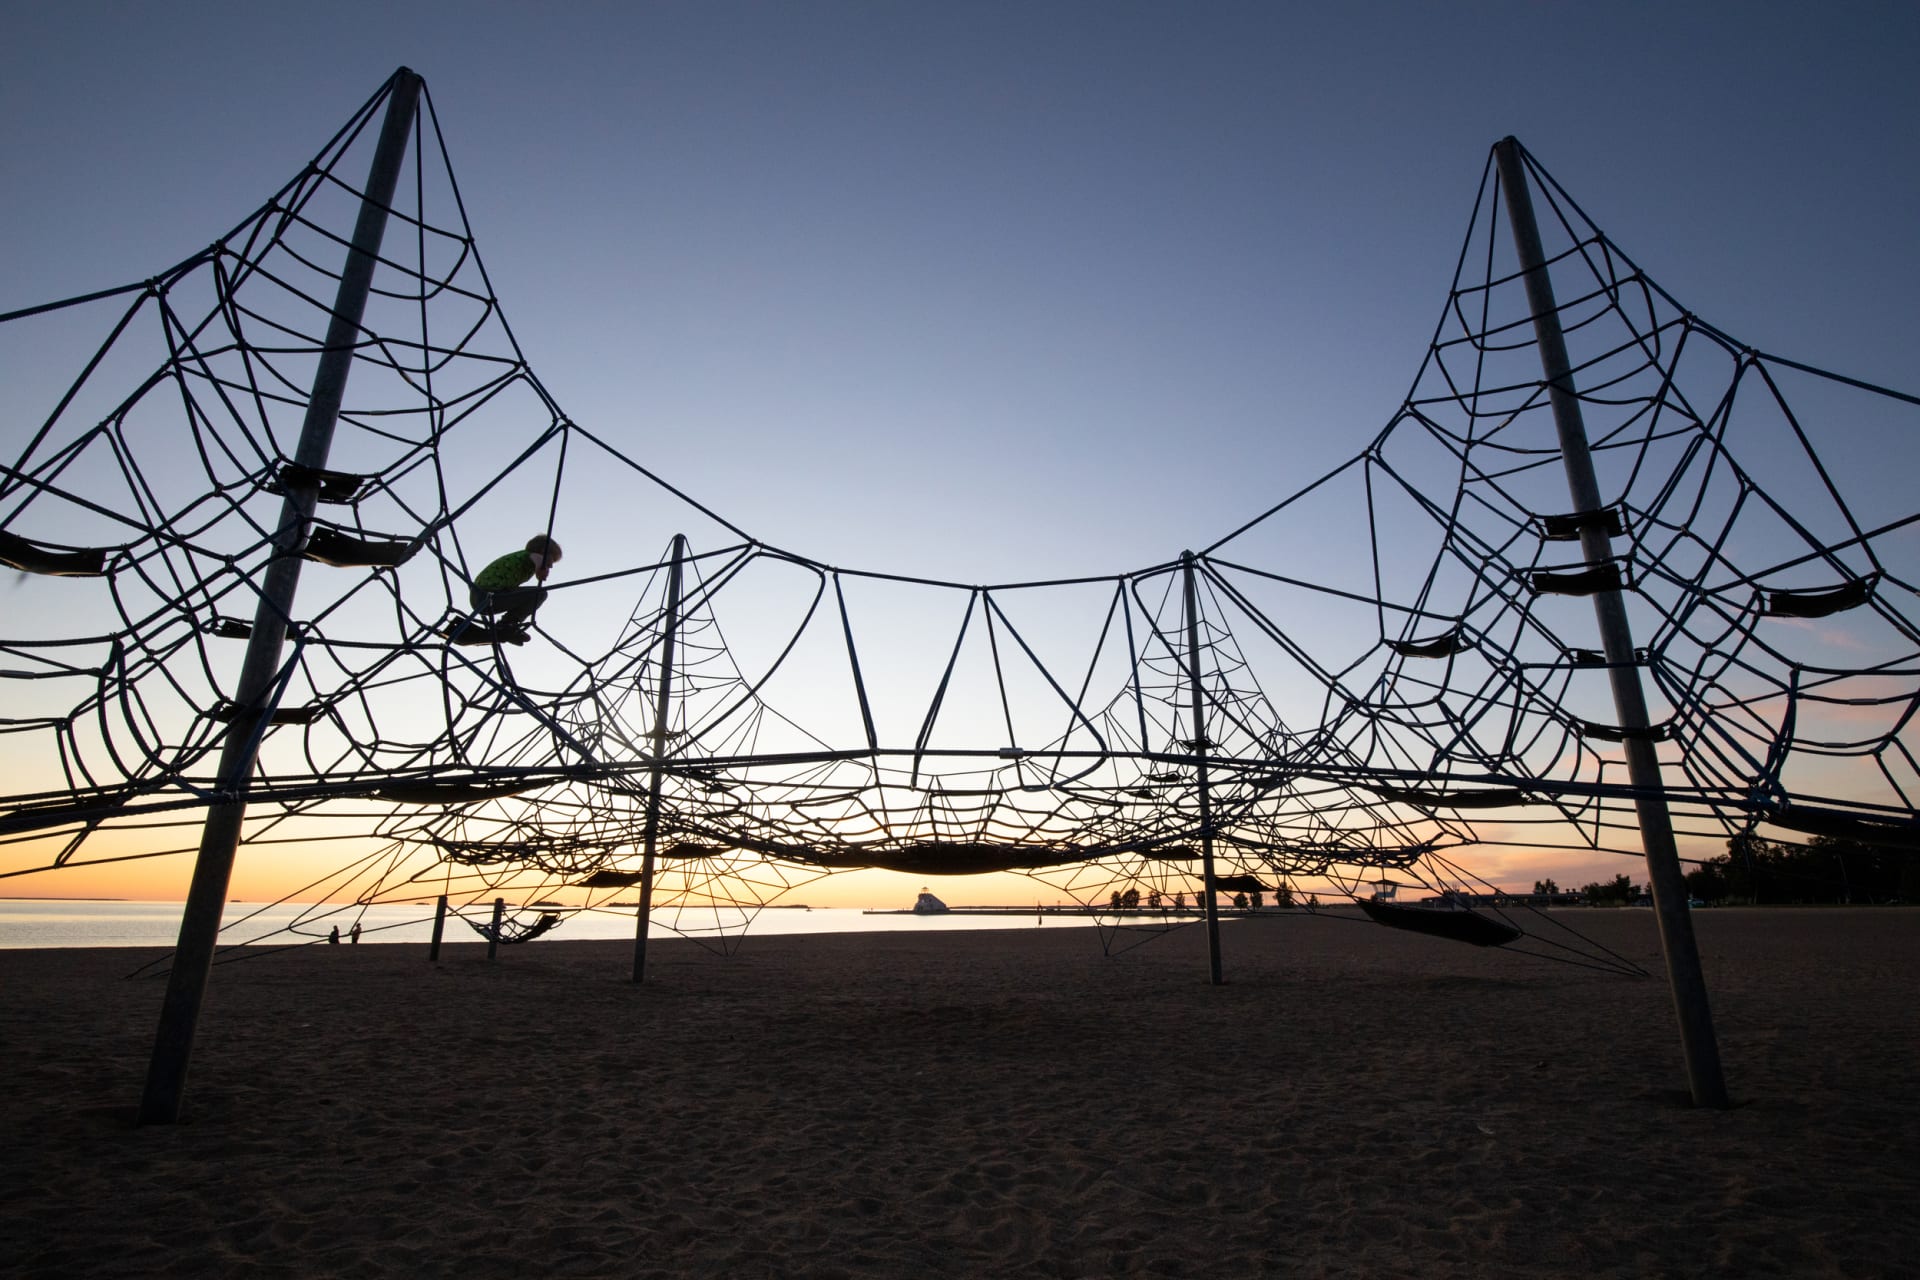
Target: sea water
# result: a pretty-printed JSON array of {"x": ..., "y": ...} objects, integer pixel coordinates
[{"x": 45, "y": 922}]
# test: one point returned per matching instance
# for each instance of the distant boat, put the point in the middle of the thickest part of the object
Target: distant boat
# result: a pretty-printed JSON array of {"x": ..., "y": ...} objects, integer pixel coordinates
[{"x": 928, "y": 905}]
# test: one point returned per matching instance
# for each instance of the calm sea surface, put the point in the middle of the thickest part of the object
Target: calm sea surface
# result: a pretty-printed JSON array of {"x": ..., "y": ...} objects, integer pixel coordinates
[{"x": 65, "y": 923}]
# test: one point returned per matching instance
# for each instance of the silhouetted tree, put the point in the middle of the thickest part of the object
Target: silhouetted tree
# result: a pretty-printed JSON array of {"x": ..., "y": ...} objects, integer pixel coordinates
[
  {"x": 1826, "y": 869},
  {"x": 1617, "y": 892},
  {"x": 1130, "y": 899}
]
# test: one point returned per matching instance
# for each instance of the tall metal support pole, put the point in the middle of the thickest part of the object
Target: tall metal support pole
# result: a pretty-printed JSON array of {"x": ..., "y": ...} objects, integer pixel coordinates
[
  {"x": 1200, "y": 769},
  {"x": 660, "y": 708},
  {"x": 1629, "y": 699},
  {"x": 439, "y": 928},
  {"x": 499, "y": 923},
  {"x": 206, "y": 896}
]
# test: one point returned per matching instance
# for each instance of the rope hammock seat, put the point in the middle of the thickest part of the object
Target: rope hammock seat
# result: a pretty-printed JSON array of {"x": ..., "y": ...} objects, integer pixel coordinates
[
  {"x": 226, "y": 711},
  {"x": 1444, "y": 645},
  {"x": 1462, "y": 924},
  {"x": 1567, "y": 528},
  {"x": 1818, "y": 604},
  {"x": 612, "y": 878},
  {"x": 472, "y": 631},
  {"x": 512, "y": 930},
  {"x": 607, "y": 878},
  {"x": 485, "y": 853},
  {"x": 338, "y": 487},
  {"x": 1578, "y": 582},
  {"x": 33, "y": 557},
  {"x": 1620, "y": 733},
  {"x": 451, "y": 793},
  {"x": 333, "y": 546},
  {"x": 1488, "y": 798},
  {"x": 950, "y": 858},
  {"x": 1846, "y": 826},
  {"x": 1240, "y": 884}
]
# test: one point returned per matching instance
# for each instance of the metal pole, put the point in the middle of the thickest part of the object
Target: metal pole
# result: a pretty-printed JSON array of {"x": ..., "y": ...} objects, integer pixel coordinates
[
  {"x": 439, "y": 928},
  {"x": 1629, "y": 699},
  {"x": 1200, "y": 770},
  {"x": 499, "y": 918},
  {"x": 200, "y": 921},
  {"x": 660, "y": 708}
]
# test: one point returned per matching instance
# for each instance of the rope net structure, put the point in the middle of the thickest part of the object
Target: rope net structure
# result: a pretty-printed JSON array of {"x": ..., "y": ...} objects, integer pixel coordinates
[{"x": 1390, "y": 666}]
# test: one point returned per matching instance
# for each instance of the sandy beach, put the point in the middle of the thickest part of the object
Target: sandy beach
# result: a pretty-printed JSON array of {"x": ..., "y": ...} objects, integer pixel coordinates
[{"x": 1354, "y": 1102}]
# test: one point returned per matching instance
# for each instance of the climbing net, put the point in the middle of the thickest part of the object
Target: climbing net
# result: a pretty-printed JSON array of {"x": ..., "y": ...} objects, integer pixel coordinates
[{"x": 1392, "y": 664}]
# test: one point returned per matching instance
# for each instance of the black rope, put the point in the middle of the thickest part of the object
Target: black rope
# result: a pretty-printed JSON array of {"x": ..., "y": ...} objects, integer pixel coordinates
[{"x": 1376, "y": 649}]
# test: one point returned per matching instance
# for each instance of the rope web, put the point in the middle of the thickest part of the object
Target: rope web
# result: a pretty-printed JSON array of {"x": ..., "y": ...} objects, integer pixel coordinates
[{"x": 1392, "y": 665}]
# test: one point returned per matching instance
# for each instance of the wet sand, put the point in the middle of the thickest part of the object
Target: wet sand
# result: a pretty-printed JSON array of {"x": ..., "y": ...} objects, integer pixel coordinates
[{"x": 1354, "y": 1102}]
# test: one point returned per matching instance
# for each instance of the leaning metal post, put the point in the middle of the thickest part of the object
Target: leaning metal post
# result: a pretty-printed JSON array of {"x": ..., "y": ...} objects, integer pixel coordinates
[
  {"x": 259, "y": 672},
  {"x": 1199, "y": 747},
  {"x": 1629, "y": 699},
  {"x": 658, "y": 769}
]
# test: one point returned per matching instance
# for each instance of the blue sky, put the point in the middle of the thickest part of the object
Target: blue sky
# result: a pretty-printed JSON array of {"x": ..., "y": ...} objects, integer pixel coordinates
[{"x": 1003, "y": 291}]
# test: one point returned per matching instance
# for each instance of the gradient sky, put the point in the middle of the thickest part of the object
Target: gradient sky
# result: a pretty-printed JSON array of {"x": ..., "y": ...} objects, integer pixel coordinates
[{"x": 1003, "y": 291}]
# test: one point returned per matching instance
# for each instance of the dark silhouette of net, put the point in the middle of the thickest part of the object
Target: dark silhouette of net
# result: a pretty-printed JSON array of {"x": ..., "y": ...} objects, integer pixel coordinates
[{"x": 1394, "y": 664}]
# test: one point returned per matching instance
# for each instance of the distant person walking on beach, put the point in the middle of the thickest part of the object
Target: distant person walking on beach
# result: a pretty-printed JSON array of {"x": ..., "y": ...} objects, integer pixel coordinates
[
  {"x": 333, "y": 939},
  {"x": 353, "y": 934},
  {"x": 500, "y": 590}
]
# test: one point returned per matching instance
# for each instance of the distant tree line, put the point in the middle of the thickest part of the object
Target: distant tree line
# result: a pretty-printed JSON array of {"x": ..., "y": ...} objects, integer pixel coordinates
[
  {"x": 1826, "y": 869},
  {"x": 1617, "y": 892}
]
